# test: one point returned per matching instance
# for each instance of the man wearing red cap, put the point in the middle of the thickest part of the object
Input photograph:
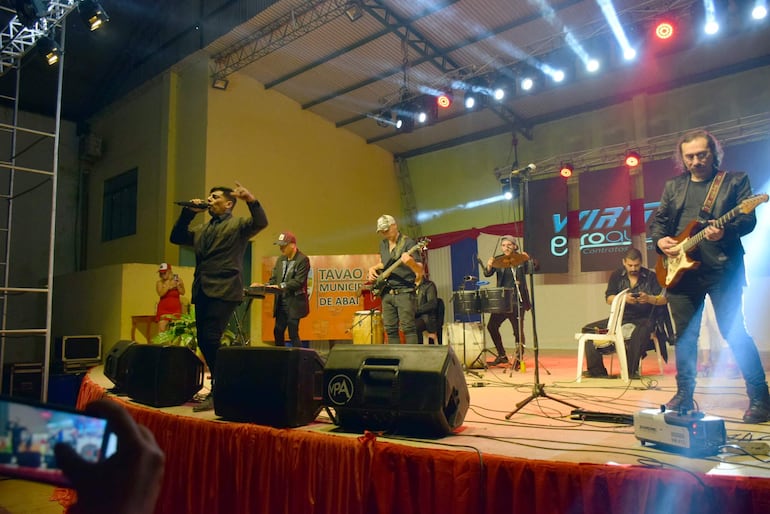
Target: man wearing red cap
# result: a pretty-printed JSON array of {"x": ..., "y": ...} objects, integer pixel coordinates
[{"x": 290, "y": 276}]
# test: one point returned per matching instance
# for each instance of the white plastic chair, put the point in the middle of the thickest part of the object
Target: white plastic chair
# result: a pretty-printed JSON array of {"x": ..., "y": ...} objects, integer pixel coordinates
[{"x": 614, "y": 335}]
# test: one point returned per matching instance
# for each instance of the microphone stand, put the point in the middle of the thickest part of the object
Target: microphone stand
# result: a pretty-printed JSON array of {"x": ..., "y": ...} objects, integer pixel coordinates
[{"x": 538, "y": 389}]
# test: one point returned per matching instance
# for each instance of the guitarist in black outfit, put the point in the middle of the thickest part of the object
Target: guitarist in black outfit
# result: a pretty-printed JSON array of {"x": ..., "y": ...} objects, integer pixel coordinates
[
  {"x": 398, "y": 295},
  {"x": 721, "y": 272}
]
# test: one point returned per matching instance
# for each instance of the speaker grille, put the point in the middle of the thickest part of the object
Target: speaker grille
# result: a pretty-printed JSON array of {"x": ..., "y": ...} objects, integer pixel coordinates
[{"x": 411, "y": 390}]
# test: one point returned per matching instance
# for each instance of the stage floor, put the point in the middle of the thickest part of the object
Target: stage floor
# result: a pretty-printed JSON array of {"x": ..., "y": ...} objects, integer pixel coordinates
[{"x": 543, "y": 430}]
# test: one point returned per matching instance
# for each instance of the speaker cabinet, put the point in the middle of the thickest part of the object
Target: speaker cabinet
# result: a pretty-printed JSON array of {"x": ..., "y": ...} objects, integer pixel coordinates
[
  {"x": 116, "y": 364},
  {"x": 161, "y": 376},
  {"x": 279, "y": 387},
  {"x": 404, "y": 389}
]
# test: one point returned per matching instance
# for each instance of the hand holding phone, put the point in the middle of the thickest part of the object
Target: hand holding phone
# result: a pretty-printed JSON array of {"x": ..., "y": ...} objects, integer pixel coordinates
[{"x": 128, "y": 481}]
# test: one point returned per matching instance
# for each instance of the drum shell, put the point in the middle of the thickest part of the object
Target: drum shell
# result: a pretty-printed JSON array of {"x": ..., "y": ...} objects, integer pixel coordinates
[
  {"x": 466, "y": 302},
  {"x": 472, "y": 336},
  {"x": 367, "y": 328},
  {"x": 497, "y": 300}
]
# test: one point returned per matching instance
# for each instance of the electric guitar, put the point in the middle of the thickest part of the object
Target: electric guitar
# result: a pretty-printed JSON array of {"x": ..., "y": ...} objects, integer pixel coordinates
[
  {"x": 669, "y": 270},
  {"x": 382, "y": 279}
]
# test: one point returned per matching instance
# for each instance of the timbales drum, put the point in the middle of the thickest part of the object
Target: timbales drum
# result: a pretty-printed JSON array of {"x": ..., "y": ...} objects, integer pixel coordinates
[
  {"x": 496, "y": 300},
  {"x": 466, "y": 302}
]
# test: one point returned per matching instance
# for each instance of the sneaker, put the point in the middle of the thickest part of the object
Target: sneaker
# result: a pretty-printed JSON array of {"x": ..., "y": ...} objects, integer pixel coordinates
[
  {"x": 501, "y": 359},
  {"x": 205, "y": 405}
]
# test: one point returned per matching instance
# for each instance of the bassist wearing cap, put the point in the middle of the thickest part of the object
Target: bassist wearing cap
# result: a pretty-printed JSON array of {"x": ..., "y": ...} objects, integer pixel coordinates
[
  {"x": 697, "y": 233},
  {"x": 397, "y": 254}
]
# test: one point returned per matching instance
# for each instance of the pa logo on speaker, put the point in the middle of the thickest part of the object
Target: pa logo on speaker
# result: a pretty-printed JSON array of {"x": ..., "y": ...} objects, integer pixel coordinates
[{"x": 340, "y": 389}]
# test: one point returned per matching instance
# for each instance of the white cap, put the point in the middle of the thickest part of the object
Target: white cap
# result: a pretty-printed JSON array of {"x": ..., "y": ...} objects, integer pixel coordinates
[{"x": 384, "y": 222}]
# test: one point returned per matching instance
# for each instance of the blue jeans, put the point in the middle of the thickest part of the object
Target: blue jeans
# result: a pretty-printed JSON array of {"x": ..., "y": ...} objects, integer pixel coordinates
[{"x": 726, "y": 292}]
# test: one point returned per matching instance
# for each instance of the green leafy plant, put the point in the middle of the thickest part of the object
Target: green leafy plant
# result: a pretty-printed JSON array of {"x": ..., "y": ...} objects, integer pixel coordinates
[{"x": 182, "y": 331}]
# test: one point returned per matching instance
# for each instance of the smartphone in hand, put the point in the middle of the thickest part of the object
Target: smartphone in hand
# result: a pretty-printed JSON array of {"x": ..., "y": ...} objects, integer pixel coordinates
[{"x": 30, "y": 430}]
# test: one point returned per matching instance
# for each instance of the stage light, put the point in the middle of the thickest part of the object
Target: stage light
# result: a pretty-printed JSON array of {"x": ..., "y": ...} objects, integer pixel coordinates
[
  {"x": 92, "y": 14},
  {"x": 527, "y": 83},
  {"x": 444, "y": 100},
  {"x": 499, "y": 89},
  {"x": 759, "y": 11},
  {"x": 566, "y": 169},
  {"x": 593, "y": 65},
  {"x": 633, "y": 159},
  {"x": 29, "y": 11},
  {"x": 425, "y": 109},
  {"x": 49, "y": 49},
  {"x": 404, "y": 118},
  {"x": 507, "y": 193},
  {"x": 353, "y": 11},
  {"x": 629, "y": 54},
  {"x": 220, "y": 84},
  {"x": 664, "y": 30}
]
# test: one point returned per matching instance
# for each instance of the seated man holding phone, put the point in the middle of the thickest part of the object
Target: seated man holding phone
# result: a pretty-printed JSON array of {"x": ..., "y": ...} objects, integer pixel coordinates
[{"x": 644, "y": 294}]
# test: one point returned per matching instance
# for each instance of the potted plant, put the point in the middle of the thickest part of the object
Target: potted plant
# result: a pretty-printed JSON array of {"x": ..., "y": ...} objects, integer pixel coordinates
[{"x": 181, "y": 331}]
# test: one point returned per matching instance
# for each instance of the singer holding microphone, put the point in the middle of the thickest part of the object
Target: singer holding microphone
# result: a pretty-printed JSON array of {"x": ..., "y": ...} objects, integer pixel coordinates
[{"x": 219, "y": 245}]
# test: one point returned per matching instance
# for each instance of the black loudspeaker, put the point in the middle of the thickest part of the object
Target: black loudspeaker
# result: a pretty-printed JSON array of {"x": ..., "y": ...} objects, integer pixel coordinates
[
  {"x": 279, "y": 387},
  {"x": 404, "y": 389},
  {"x": 116, "y": 364},
  {"x": 162, "y": 376}
]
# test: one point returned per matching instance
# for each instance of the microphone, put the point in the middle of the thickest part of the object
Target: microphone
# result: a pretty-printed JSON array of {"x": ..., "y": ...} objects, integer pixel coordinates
[
  {"x": 469, "y": 278},
  {"x": 526, "y": 169},
  {"x": 193, "y": 205}
]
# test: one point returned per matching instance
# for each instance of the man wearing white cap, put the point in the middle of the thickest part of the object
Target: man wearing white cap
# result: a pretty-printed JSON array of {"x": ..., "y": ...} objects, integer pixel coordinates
[
  {"x": 398, "y": 295},
  {"x": 290, "y": 276}
]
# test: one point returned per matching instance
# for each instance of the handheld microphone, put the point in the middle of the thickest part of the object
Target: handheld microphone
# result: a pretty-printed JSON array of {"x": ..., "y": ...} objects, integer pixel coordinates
[
  {"x": 526, "y": 169},
  {"x": 469, "y": 278},
  {"x": 192, "y": 205}
]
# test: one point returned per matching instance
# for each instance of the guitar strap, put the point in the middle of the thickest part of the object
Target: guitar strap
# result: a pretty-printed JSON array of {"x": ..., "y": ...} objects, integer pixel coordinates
[{"x": 708, "y": 204}]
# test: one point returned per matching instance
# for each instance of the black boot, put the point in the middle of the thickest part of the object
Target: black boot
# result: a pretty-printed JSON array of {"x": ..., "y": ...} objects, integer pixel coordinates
[
  {"x": 681, "y": 401},
  {"x": 759, "y": 404}
]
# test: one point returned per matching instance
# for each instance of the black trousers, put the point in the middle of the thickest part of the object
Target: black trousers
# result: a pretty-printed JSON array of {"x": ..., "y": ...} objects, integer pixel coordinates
[
  {"x": 636, "y": 345},
  {"x": 211, "y": 318},
  {"x": 282, "y": 322}
]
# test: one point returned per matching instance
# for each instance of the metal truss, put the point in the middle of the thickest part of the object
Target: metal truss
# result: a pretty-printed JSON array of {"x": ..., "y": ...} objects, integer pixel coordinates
[
  {"x": 284, "y": 30},
  {"x": 16, "y": 39}
]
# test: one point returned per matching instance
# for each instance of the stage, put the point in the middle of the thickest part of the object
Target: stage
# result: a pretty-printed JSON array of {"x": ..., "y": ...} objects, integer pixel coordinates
[{"x": 538, "y": 461}]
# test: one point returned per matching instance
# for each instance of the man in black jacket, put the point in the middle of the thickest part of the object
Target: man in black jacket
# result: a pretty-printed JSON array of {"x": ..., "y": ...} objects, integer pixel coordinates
[
  {"x": 219, "y": 246},
  {"x": 290, "y": 276},
  {"x": 644, "y": 293},
  {"x": 721, "y": 272},
  {"x": 428, "y": 315}
]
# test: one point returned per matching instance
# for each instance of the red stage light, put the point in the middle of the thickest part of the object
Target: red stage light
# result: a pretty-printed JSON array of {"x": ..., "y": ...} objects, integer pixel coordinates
[
  {"x": 444, "y": 100},
  {"x": 566, "y": 170},
  {"x": 633, "y": 159},
  {"x": 664, "y": 30}
]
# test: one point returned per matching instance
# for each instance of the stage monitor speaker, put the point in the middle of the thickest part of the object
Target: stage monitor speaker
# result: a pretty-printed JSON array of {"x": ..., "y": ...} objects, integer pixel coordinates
[
  {"x": 162, "y": 376},
  {"x": 274, "y": 386},
  {"x": 403, "y": 389},
  {"x": 116, "y": 364}
]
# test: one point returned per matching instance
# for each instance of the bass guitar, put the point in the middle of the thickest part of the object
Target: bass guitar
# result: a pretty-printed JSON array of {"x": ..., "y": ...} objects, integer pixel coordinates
[
  {"x": 669, "y": 270},
  {"x": 382, "y": 279}
]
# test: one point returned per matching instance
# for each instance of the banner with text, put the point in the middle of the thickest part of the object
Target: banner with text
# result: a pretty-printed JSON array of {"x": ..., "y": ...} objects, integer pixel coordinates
[{"x": 334, "y": 285}]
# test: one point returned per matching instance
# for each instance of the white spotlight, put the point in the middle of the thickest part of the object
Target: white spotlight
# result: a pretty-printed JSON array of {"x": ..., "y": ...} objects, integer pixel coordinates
[
  {"x": 557, "y": 75},
  {"x": 629, "y": 54},
  {"x": 498, "y": 94},
  {"x": 711, "y": 27},
  {"x": 592, "y": 66},
  {"x": 759, "y": 12},
  {"x": 527, "y": 83}
]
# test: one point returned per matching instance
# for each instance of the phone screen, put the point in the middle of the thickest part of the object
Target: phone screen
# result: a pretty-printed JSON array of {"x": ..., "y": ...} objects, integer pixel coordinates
[{"x": 29, "y": 431}]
